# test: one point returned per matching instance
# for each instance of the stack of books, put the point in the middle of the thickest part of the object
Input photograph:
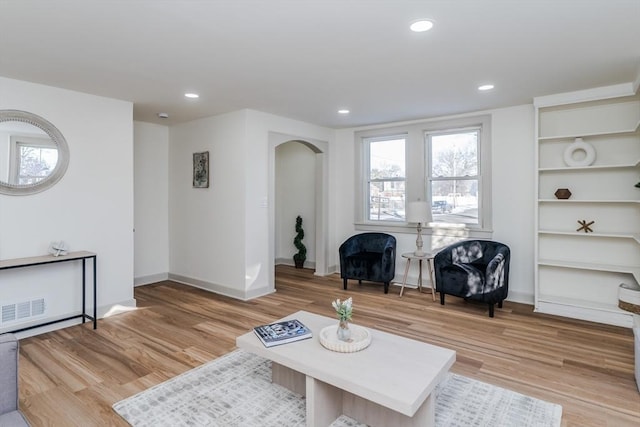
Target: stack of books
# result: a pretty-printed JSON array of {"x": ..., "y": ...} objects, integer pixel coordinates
[{"x": 282, "y": 332}]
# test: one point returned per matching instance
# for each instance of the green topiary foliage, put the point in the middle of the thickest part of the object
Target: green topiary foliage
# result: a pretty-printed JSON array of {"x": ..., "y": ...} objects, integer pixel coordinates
[{"x": 297, "y": 241}]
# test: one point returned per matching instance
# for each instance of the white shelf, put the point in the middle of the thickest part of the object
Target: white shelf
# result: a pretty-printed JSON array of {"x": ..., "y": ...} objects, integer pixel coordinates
[
  {"x": 585, "y": 201},
  {"x": 609, "y": 118},
  {"x": 577, "y": 265},
  {"x": 629, "y": 131},
  {"x": 580, "y": 303},
  {"x": 591, "y": 168},
  {"x": 621, "y": 235},
  {"x": 585, "y": 310}
]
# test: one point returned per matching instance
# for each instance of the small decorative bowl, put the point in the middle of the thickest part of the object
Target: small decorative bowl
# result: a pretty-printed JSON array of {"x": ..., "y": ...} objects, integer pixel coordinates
[{"x": 360, "y": 339}]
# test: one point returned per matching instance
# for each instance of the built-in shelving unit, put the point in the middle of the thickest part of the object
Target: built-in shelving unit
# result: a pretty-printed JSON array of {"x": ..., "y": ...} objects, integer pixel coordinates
[{"x": 578, "y": 273}]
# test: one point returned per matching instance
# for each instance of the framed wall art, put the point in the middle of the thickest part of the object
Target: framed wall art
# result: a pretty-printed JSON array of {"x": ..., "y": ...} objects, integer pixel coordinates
[{"x": 201, "y": 170}]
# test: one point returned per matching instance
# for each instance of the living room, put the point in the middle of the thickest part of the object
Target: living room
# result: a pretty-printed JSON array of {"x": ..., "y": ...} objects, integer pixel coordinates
[{"x": 128, "y": 195}]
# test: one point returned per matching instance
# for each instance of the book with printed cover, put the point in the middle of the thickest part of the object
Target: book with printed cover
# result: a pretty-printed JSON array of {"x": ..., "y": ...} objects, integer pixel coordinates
[{"x": 282, "y": 332}]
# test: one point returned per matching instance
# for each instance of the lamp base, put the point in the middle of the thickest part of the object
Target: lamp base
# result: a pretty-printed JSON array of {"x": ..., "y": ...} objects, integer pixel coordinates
[{"x": 419, "y": 251}]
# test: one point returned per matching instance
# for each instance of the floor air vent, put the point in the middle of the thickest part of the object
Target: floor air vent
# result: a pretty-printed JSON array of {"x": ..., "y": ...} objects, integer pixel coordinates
[{"x": 22, "y": 310}]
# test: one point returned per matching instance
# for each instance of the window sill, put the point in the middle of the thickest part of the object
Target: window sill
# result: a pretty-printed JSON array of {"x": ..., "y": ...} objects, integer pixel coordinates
[{"x": 434, "y": 230}]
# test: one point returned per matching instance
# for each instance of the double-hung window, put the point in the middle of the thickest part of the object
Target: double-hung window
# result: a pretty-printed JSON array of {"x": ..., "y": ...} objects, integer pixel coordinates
[
  {"x": 453, "y": 175},
  {"x": 384, "y": 158},
  {"x": 446, "y": 163}
]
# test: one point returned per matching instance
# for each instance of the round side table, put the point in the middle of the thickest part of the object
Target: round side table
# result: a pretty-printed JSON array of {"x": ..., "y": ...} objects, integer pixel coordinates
[{"x": 429, "y": 258}]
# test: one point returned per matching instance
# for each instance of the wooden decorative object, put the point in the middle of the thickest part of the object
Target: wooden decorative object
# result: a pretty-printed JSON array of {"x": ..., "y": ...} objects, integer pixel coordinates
[
  {"x": 585, "y": 226},
  {"x": 562, "y": 193}
]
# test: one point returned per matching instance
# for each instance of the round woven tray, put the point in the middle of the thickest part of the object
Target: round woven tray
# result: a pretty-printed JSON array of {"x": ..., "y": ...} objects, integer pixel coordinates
[{"x": 360, "y": 339}]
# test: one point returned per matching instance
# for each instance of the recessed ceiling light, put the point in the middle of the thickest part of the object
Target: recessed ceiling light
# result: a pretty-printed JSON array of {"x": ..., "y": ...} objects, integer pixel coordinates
[
  {"x": 192, "y": 95},
  {"x": 485, "y": 87},
  {"x": 343, "y": 111},
  {"x": 421, "y": 26},
  {"x": 163, "y": 115}
]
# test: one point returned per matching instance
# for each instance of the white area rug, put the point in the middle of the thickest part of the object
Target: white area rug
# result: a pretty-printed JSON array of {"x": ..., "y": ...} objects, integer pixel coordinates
[{"x": 235, "y": 390}]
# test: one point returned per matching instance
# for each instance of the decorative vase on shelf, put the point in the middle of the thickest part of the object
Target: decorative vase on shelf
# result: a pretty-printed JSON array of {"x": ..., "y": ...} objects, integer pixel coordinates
[{"x": 344, "y": 333}]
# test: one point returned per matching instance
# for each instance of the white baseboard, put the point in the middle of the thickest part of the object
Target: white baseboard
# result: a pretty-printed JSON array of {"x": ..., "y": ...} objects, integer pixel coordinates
[
  {"x": 152, "y": 278},
  {"x": 289, "y": 261},
  {"x": 521, "y": 297},
  {"x": 220, "y": 289}
]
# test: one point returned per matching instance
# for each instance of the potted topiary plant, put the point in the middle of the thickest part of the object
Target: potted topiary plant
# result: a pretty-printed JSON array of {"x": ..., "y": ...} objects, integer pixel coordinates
[{"x": 301, "y": 256}]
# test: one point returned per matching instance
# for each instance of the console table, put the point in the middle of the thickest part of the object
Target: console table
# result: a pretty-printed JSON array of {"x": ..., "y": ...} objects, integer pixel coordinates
[{"x": 50, "y": 259}]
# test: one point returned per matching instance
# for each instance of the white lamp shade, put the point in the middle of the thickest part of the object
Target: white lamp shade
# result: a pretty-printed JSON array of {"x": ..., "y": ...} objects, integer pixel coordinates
[{"x": 419, "y": 212}]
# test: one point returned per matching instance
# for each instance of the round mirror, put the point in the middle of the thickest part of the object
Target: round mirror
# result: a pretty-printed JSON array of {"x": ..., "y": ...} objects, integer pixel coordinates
[{"x": 33, "y": 153}]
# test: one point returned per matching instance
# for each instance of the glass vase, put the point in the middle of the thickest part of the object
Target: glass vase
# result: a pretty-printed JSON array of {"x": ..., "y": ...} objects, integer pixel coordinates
[{"x": 344, "y": 333}]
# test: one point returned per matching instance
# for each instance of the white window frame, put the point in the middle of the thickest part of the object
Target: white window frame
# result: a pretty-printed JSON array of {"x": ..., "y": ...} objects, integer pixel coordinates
[
  {"x": 17, "y": 141},
  {"x": 417, "y": 186},
  {"x": 366, "y": 142},
  {"x": 477, "y": 177}
]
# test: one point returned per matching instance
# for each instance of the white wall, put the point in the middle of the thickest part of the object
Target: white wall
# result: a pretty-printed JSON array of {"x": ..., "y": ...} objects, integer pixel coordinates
[
  {"x": 214, "y": 247},
  {"x": 295, "y": 175},
  {"x": 90, "y": 208},
  {"x": 151, "y": 202},
  {"x": 207, "y": 225},
  {"x": 512, "y": 192},
  {"x": 221, "y": 238},
  {"x": 264, "y": 132}
]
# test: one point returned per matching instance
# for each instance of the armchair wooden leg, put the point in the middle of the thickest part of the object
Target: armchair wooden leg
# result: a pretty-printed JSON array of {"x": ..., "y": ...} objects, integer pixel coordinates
[
  {"x": 441, "y": 298},
  {"x": 500, "y": 304},
  {"x": 386, "y": 287},
  {"x": 490, "y": 310},
  {"x": 345, "y": 284}
]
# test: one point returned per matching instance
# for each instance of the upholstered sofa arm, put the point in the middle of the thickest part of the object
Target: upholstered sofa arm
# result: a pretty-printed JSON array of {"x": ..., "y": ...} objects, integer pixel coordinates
[
  {"x": 8, "y": 373},
  {"x": 10, "y": 415}
]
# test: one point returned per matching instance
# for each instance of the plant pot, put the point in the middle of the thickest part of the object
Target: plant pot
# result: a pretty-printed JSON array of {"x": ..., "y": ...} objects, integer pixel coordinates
[{"x": 298, "y": 262}]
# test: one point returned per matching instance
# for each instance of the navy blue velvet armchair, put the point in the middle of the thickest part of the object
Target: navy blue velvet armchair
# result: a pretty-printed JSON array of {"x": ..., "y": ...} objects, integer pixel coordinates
[
  {"x": 370, "y": 257},
  {"x": 474, "y": 269}
]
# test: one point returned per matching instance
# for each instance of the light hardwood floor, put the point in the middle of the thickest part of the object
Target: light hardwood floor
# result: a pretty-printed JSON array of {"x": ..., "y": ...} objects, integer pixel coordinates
[{"x": 71, "y": 377}]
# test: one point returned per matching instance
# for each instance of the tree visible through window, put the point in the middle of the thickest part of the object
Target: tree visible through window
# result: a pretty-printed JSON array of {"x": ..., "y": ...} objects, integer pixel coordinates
[
  {"x": 454, "y": 176},
  {"x": 386, "y": 178},
  {"x": 446, "y": 162},
  {"x": 35, "y": 162}
]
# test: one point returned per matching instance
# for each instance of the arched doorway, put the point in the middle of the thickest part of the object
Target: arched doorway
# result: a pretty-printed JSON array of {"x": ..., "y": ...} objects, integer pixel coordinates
[{"x": 314, "y": 192}]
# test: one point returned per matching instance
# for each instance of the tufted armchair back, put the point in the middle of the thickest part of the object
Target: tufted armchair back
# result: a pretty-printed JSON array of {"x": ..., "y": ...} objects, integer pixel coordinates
[
  {"x": 474, "y": 269},
  {"x": 368, "y": 256}
]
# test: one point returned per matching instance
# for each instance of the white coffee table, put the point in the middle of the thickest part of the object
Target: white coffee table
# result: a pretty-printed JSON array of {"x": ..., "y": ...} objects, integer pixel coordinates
[{"x": 390, "y": 383}]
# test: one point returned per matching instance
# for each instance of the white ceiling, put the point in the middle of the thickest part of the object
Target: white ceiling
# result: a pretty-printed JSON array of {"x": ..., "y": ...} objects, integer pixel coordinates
[{"x": 305, "y": 59}]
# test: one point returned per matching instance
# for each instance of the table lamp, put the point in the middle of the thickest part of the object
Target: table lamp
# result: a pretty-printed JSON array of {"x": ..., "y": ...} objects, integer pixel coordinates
[{"x": 419, "y": 212}]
